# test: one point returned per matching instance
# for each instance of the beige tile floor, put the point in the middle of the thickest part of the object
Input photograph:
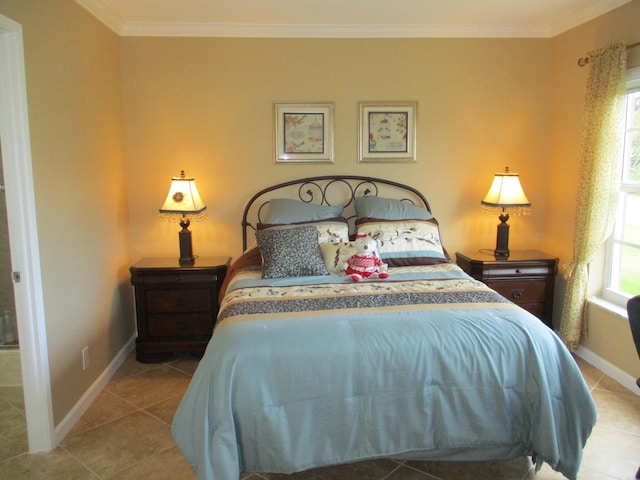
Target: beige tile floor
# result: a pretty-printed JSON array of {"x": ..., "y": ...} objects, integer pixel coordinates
[{"x": 125, "y": 434}]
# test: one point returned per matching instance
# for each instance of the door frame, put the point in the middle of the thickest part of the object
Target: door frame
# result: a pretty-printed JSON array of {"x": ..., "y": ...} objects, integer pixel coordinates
[{"x": 23, "y": 238}]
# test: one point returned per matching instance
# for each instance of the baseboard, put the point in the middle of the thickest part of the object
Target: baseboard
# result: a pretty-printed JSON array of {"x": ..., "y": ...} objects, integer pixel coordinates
[
  {"x": 620, "y": 376},
  {"x": 64, "y": 427}
]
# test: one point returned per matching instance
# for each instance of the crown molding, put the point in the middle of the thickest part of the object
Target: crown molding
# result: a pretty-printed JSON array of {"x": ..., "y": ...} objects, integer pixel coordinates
[
  {"x": 325, "y": 31},
  {"x": 170, "y": 29},
  {"x": 104, "y": 14},
  {"x": 584, "y": 15}
]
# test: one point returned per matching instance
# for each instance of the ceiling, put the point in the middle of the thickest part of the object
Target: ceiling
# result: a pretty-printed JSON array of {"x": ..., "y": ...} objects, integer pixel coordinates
[{"x": 346, "y": 18}]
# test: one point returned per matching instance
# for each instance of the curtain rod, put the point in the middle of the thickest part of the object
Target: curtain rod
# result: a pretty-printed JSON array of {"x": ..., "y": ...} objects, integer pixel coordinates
[{"x": 582, "y": 61}]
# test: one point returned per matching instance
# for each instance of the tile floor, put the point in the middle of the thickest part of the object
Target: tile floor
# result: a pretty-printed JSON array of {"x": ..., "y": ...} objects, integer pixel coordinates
[{"x": 125, "y": 434}]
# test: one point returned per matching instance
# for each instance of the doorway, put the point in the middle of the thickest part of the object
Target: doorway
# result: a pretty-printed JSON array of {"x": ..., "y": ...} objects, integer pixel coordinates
[
  {"x": 23, "y": 238},
  {"x": 10, "y": 374}
]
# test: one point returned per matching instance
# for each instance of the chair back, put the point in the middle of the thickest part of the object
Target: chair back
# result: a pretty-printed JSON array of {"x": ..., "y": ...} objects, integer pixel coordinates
[{"x": 633, "y": 309}]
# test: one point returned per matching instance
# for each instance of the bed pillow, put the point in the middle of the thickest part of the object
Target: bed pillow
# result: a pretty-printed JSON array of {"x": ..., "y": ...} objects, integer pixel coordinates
[
  {"x": 405, "y": 242},
  {"x": 285, "y": 210},
  {"x": 389, "y": 209},
  {"x": 335, "y": 254},
  {"x": 332, "y": 230},
  {"x": 290, "y": 252}
]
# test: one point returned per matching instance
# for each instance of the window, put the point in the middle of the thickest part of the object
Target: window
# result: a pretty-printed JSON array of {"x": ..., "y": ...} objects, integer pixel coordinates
[{"x": 623, "y": 249}]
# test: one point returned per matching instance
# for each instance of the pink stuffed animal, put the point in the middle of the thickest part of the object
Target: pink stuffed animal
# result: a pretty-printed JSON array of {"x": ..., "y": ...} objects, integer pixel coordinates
[{"x": 365, "y": 262}]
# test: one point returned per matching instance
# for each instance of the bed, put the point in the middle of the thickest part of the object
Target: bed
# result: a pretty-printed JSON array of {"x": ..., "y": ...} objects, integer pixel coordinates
[{"x": 307, "y": 368}]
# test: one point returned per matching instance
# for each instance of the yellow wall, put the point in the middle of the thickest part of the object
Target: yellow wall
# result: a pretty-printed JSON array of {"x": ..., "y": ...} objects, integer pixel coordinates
[
  {"x": 75, "y": 116},
  {"x": 205, "y": 105},
  {"x": 609, "y": 335}
]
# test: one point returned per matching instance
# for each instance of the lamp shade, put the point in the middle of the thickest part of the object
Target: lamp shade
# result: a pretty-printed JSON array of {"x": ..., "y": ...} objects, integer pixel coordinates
[
  {"x": 183, "y": 197},
  {"x": 506, "y": 194}
]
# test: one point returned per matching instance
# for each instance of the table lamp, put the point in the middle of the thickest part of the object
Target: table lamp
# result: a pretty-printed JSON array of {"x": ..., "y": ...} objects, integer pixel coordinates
[
  {"x": 505, "y": 197},
  {"x": 184, "y": 200}
]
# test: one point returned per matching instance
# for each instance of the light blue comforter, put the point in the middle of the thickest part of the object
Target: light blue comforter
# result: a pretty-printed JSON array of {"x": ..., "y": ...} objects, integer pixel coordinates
[{"x": 317, "y": 371}]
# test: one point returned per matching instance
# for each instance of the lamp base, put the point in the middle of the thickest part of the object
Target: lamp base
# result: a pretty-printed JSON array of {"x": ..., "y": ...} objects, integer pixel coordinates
[
  {"x": 186, "y": 247},
  {"x": 187, "y": 261},
  {"x": 502, "y": 237}
]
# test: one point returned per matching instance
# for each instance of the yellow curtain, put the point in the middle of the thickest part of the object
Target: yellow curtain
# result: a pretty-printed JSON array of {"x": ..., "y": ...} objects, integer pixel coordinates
[{"x": 603, "y": 122}]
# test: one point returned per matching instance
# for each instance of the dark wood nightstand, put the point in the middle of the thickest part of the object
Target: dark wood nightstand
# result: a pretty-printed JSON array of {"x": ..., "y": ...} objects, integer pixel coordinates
[
  {"x": 526, "y": 277},
  {"x": 176, "y": 306}
]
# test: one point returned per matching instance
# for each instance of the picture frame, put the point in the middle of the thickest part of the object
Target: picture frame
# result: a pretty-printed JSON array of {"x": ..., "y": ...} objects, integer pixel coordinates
[
  {"x": 303, "y": 133},
  {"x": 387, "y": 132}
]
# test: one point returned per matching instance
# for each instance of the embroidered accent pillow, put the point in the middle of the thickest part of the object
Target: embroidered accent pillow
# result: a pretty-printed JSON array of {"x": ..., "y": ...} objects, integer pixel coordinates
[
  {"x": 331, "y": 230},
  {"x": 335, "y": 254},
  {"x": 405, "y": 242}
]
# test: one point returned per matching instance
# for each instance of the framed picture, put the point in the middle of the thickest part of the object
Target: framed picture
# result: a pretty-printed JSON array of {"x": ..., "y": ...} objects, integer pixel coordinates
[
  {"x": 303, "y": 132},
  {"x": 387, "y": 131}
]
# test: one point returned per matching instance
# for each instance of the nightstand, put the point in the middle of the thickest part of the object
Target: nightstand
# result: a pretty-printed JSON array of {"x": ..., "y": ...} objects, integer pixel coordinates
[
  {"x": 176, "y": 306},
  {"x": 526, "y": 277}
]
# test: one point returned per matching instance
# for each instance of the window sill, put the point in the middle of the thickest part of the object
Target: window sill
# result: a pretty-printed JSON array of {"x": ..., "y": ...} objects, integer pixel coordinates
[{"x": 612, "y": 308}]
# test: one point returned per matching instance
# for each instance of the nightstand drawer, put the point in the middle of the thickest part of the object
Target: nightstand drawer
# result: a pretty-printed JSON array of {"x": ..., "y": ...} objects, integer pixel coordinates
[
  {"x": 183, "y": 325},
  {"x": 531, "y": 291},
  {"x": 178, "y": 300},
  {"x": 536, "y": 308},
  {"x": 519, "y": 270},
  {"x": 176, "y": 278}
]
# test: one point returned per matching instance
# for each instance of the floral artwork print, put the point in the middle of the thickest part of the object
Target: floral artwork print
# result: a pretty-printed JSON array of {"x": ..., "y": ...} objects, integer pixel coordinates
[
  {"x": 388, "y": 131},
  {"x": 303, "y": 133}
]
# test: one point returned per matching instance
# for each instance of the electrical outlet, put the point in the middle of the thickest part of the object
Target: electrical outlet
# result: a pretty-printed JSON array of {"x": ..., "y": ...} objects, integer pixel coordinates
[{"x": 85, "y": 358}]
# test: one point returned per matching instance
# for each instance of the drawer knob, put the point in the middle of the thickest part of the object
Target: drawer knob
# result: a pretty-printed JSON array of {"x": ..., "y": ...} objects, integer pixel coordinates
[
  {"x": 517, "y": 293},
  {"x": 177, "y": 278},
  {"x": 518, "y": 270}
]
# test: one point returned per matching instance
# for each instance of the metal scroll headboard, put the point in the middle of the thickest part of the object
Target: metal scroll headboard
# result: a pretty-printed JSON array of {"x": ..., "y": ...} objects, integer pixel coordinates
[{"x": 327, "y": 190}]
